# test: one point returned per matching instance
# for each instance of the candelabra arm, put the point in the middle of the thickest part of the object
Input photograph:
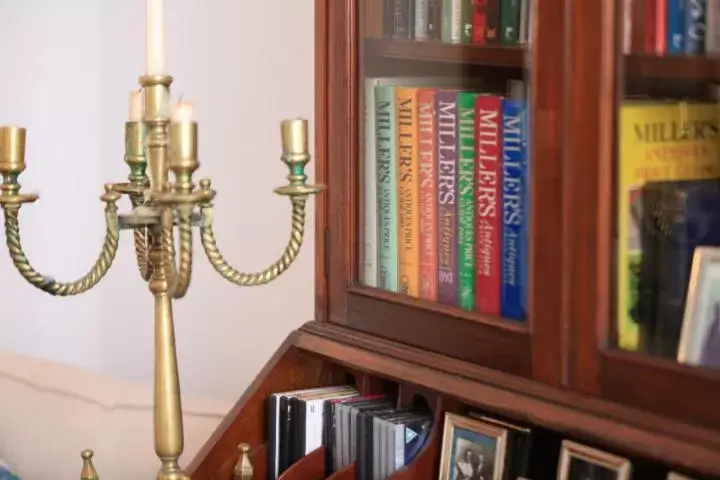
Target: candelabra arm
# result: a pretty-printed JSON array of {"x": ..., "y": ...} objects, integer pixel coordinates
[
  {"x": 181, "y": 274},
  {"x": 48, "y": 284},
  {"x": 272, "y": 272},
  {"x": 140, "y": 237}
]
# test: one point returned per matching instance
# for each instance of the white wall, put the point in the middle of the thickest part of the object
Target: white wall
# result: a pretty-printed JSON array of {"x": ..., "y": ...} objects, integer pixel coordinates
[{"x": 67, "y": 68}]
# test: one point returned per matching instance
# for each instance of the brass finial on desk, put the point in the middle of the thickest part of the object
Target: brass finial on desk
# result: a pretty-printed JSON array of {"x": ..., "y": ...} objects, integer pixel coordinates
[
  {"x": 88, "y": 470},
  {"x": 243, "y": 467}
]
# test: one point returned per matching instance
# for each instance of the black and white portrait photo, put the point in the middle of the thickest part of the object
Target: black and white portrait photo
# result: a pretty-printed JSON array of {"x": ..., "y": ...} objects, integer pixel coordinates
[{"x": 472, "y": 449}]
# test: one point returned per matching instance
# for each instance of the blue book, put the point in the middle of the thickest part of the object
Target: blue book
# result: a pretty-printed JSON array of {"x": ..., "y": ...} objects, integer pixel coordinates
[
  {"x": 514, "y": 199},
  {"x": 386, "y": 153},
  {"x": 676, "y": 26},
  {"x": 695, "y": 25}
]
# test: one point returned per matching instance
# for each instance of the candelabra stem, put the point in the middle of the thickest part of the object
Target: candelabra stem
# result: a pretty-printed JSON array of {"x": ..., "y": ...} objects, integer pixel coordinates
[{"x": 168, "y": 407}]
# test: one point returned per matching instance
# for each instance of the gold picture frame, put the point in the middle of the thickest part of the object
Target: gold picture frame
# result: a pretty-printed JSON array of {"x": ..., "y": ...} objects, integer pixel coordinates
[
  {"x": 593, "y": 457},
  {"x": 476, "y": 438},
  {"x": 700, "y": 335}
]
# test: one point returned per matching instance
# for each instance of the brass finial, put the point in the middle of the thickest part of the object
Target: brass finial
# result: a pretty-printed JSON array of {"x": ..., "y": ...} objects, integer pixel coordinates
[
  {"x": 243, "y": 467},
  {"x": 88, "y": 471}
]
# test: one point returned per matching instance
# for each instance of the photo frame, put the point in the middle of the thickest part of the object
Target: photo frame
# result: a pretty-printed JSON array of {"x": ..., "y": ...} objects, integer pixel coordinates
[
  {"x": 677, "y": 476},
  {"x": 578, "y": 462},
  {"x": 472, "y": 449},
  {"x": 700, "y": 335}
]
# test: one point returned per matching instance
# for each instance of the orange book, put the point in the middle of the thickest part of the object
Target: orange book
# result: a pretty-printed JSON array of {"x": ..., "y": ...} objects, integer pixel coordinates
[
  {"x": 406, "y": 103},
  {"x": 427, "y": 170}
]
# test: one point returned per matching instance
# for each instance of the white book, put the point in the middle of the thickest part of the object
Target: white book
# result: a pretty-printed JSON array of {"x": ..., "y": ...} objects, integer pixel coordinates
[
  {"x": 712, "y": 27},
  {"x": 421, "y": 19}
]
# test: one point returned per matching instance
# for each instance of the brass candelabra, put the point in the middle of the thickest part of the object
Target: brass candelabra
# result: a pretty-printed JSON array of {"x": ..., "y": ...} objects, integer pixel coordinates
[{"x": 154, "y": 147}]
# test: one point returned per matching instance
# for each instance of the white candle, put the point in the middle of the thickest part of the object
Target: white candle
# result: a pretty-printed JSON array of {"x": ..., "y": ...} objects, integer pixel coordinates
[
  {"x": 136, "y": 106},
  {"x": 155, "y": 38},
  {"x": 182, "y": 112}
]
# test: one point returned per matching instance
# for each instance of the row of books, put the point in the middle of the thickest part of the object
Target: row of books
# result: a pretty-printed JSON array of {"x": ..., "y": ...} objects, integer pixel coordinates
[
  {"x": 477, "y": 22},
  {"x": 367, "y": 430},
  {"x": 676, "y": 27},
  {"x": 446, "y": 193}
]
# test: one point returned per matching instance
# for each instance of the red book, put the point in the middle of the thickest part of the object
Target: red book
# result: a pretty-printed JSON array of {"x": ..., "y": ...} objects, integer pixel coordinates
[
  {"x": 488, "y": 203},
  {"x": 655, "y": 26},
  {"x": 427, "y": 165},
  {"x": 479, "y": 21}
]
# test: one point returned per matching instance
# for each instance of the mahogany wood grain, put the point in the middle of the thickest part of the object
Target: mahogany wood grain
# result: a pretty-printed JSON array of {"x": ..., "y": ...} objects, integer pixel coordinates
[
  {"x": 500, "y": 56},
  {"x": 587, "y": 216},
  {"x": 611, "y": 425},
  {"x": 661, "y": 386},
  {"x": 322, "y": 42},
  {"x": 309, "y": 467},
  {"x": 341, "y": 133},
  {"x": 548, "y": 87},
  {"x": 504, "y": 347},
  {"x": 677, "y": 67},
  {"x": 347, "y": 473}
]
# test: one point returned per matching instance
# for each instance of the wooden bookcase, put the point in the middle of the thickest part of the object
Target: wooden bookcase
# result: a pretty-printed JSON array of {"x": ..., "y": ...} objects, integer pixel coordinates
[{"x": 559, "y": 370}]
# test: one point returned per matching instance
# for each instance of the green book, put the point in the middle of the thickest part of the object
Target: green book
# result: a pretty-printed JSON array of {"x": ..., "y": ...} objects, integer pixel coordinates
[
  {"x": 466, "y": 200},
  {"x": 467, "y": 21},
  {"x": 509, "y": 21}
]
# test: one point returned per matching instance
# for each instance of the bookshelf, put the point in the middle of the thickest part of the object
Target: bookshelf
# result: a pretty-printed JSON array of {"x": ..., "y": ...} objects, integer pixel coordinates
[{"x": 562, "y": 367}]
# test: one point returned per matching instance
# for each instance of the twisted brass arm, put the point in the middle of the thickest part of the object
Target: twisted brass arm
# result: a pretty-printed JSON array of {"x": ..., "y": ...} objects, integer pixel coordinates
[
  {"x": 140, "y": 237},
  {"x": 269, "y": 274},
  {"x": 48, "y": 284},
  {"x": 179, "y": 275}
]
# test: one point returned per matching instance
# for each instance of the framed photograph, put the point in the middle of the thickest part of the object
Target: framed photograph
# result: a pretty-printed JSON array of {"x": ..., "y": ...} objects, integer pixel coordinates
[
  {"x": 580, "y": 462},
  {"x": 700, "y": 335},
  {"x": 677, "y": 476},
  {"x": 472, "y": 449}
]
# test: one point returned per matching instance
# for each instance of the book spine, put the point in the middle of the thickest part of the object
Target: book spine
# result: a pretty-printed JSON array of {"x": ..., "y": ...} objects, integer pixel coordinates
[
  {"x": 675, "y": 26},
  {"x": 385, "y": 128},
  {"x": 452, "y": 21},
  {"x": 370, "y": 253},
  {"x": 695, "y": 25},
  {"x": 401, "y": 20},
  {"x": 509, "y": 21},
  {"x": 656, "y": 26},
  {"x": 435, "y": 16},
  {"x": 514, "y": 247},
  {"x": 421, "y": 19},
  {"x": 479, "y": 21},
  {"x": 467, "y": 21},
  {"x": 492, "y": 22},
  {"x": 524, "y": 22},
  {"x": 388, "y": 18},
  {"x": 446, "y": 108},
  {"x": 466, "y": 200},
  {"x": 712, "y": 32},
  {"x": 427, "y": 143},
  {"x": 408, "y": 204},
  {"x": 488, "y": 181}
]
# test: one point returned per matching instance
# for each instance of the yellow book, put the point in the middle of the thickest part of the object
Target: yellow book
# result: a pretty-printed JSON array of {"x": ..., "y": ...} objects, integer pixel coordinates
[
  {"x": 659, "y": 141},
  {"x": 406, "y": 103}
]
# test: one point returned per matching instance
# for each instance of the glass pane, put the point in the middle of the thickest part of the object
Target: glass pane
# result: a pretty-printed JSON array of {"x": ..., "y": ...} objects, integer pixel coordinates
[
  {"x": 444, "y": 152},
  {"x": 668, "y": 183}
]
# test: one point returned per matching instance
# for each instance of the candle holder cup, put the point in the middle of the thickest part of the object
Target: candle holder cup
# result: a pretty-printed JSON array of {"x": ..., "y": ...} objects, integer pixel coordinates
[{"x": 154, "y": 148}]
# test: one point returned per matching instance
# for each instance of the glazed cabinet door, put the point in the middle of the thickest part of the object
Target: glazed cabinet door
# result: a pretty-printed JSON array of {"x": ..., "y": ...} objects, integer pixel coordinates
[
  {"x": 644, "y": 200},
  {"x": 443, "y": 159}
]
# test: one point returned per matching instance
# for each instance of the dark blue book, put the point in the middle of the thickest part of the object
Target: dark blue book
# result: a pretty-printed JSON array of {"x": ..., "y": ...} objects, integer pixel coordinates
[{"x": 514, "y": 201}]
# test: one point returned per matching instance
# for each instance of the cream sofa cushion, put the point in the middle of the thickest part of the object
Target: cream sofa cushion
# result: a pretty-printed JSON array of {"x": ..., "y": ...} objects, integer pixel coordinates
[{"x": 50, "y": 412}]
